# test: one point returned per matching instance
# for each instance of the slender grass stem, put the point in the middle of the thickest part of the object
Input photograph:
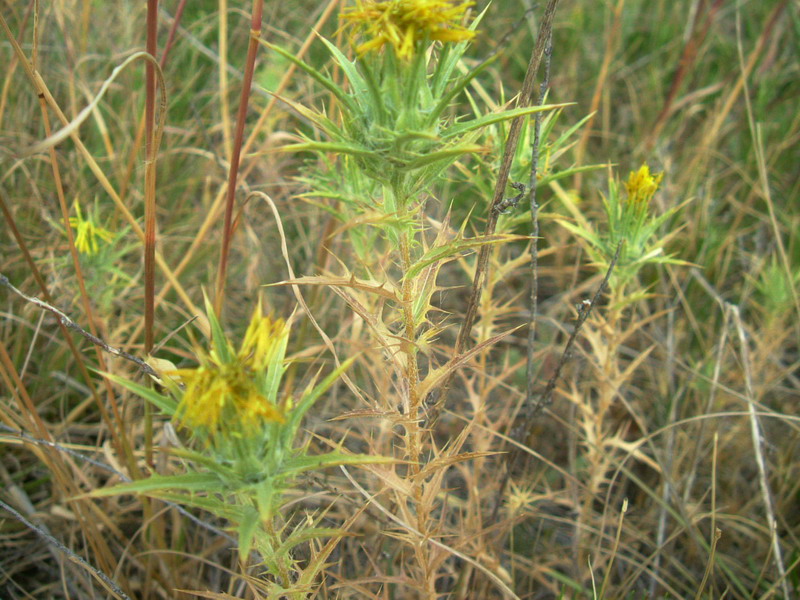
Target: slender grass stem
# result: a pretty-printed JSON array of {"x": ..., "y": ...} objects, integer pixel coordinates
[{"x": 241, "y": 117}]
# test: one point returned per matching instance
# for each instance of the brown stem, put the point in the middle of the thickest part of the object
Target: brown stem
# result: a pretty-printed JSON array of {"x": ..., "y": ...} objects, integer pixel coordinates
[
  {"x": 687, "y": 59},
  {"x": 150, "y": 178},
  {"x": 137, "y": 140},
  {"x": 525, "y": 98},
  {"x": 150, "y": 210},
  {"x": 255, "y": 32}
]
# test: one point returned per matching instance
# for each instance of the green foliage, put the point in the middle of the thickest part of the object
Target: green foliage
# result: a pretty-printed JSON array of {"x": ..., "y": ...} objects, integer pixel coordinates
[
  {"x": 775, "y": 290},
  {"x": 395, "y": 128},
  {"x": 628, "y": 227},
  {"x": 242, "y": 473}
]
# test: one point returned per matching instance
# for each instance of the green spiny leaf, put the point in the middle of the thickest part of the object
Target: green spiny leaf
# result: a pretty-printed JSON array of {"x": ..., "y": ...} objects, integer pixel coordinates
[
  {"x": 316, "y": 75},
  {"x": 339, "y": 147},
  {"x": 303, "y": 462},
  {"x": 480, "y": 122},
  {"x": 296, "y": 415},
  {"x": 311, "y": 533},
  {"x": 221, "y": 345},
  {"x": 455, "y": 248},
  {"x": 190, "y": 482},
  {"x": 166, "y": 404},
  {"x": 247, "y": 530}
]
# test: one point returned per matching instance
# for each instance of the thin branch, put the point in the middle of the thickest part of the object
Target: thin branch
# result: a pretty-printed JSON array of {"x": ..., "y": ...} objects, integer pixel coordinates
[
  {"x": 530, "y": 410},
  {"x": 105, "y": 579},
  {"x": 525, "y": 98},
  {"x": 584, "y": 311},
  {"x": 70, "y": 324},
  {"x": 534, "y": 206}
]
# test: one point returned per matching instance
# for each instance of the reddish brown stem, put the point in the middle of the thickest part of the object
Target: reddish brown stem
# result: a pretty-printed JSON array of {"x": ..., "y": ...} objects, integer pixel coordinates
[
  {"x": 173, "y": 30},
  {"x": 255, "y": 32},
  {"x": 150, "y": 179},
  {"x": 150, "y": 208},
  {"x": 137, "y": 142},
  {"x": 685, "y": 63}
]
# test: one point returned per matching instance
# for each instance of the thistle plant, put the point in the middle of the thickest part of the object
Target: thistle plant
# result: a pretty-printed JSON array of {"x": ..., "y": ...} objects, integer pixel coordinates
[
  {"x": 395, "y": 138},
  {"x": 631, "y": 234},
  {"x": 629, "y": 223},
  {"x": 101, "y": 251},
  {"x": 244, "y": 446},
  {"x": 394, "y": 135}
]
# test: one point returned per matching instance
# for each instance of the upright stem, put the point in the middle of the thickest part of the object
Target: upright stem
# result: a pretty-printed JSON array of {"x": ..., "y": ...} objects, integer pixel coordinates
[
  {"x": 150, "y": 179},
  {"x": 534, "y": 249},
  {"x": 412, "y": 370},
  {"x": 255, "y": 33},
  {"x": 274, "y": 542},
  {"x": 150, "y": 210},
  {"x": 413, "y": 431}
]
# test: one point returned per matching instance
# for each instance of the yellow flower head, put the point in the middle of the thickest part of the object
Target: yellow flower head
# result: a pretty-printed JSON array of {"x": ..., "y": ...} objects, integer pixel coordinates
[
  {"x": 642, "y": 186},
  {"x": 87, "y": 233},
  {"x": 402, "y": 23},
  {"x": 261, "y": 340},
  {"x": 225, "y": 397}
]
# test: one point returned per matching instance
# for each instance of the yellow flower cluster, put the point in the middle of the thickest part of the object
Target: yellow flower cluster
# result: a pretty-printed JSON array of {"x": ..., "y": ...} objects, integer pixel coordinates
[
  {"x": 642, "y": 186},
  {"x": 402, "y": 23},
  {"x": 87, "y": 233},
  {"x": 223, "y": 397}
]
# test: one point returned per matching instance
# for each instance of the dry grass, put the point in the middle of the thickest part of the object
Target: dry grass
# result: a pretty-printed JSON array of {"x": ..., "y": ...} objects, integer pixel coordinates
[{"x": 672, "y": 435}]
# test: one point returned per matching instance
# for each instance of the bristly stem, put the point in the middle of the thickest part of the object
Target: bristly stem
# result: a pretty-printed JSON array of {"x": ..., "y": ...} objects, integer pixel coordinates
[
  {"x": 227, "y": 232},
  {"x": 412, "y": 373}
]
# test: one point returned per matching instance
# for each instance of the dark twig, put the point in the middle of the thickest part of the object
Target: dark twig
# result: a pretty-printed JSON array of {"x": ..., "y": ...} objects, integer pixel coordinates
[
  {"x": 508, "y": 204},
  {"x": 70, "y": 324},
  {"x": 525, "y": 98},
  {"x": 22, "y": 436},
  {"x": 105, "y": 579},
  {"x": 534, "y": 205},
  {"x": 584, "y": 311},
  {"x": 530, "y": 410}
]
